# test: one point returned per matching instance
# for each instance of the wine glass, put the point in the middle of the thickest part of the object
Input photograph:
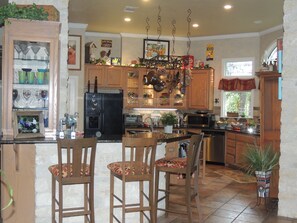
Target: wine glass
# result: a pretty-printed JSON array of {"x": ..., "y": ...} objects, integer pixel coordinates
[
  {"x": 14, "y": 95},
  {"x": 38, "y": 96},
  {"x": 43, "y": 94},
  {"x": 27, "y": 95},
  {"x": 35, "y": 48},
  {"x": 18, "y": 49},
  {"x": 24, "y": 48}
]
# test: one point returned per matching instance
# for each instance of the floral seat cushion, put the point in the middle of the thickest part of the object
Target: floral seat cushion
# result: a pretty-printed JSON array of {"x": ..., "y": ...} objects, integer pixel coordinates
[
  {"x": 54, "y": 169},
  {"x": 130, "y": 168},
  {"x": 176, "y": 163}
]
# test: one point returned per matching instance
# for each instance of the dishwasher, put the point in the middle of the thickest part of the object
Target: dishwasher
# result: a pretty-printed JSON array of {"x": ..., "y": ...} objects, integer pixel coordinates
[{"x": 215, "y": 149}]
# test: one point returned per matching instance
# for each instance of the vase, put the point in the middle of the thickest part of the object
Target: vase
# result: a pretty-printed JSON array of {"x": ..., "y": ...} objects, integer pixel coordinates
[
  {"x": 168, "y": 128},
  {"x": 263, "y": 183}
]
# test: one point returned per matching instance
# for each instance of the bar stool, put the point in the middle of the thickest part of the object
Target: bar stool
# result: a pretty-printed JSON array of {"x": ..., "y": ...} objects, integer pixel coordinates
[
  {"x": 188, "y": 167},
  {"x": 137, "y": 165},
  {"x": 76, "y": 161}
]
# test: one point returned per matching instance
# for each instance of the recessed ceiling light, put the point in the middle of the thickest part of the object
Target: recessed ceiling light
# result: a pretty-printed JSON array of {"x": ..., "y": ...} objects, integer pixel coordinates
[
  {"x": 127, "y": 19},
  {"x": 227, "y": 7},
  {"x": 195, "y": 25},
  {"x": 258, "y": 21}
]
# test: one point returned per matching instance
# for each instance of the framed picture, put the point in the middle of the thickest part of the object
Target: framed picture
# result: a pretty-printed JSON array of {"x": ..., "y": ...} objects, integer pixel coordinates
[
  {"x": 74, "y": 52},
  {"x": 28, "y": 124},
  {"x": 156, "y": 49}
]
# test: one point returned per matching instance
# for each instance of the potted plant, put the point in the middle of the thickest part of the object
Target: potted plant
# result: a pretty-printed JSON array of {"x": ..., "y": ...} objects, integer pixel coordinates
[
  {"x": 168, "y": 120},
  {"x": 261, "y": 161},
  {"x": 32, "y": 12}
]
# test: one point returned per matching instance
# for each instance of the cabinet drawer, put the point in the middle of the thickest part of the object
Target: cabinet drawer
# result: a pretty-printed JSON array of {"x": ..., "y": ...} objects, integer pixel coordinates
[
  {"x": 230, "y": 159},
  {"x": 230, "y": 135},
  {"x": 230, "y": 143},
  {"x": 246, "y": 138},
  {"x": 230, "y": 150}
]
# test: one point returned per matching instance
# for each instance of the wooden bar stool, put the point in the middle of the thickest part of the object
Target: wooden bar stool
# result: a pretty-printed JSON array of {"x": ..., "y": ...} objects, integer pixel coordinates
[
  {"x": 137, "y": 165},
  {"x": 188, "y": 167},
  {"x": 76, "y": 161}
]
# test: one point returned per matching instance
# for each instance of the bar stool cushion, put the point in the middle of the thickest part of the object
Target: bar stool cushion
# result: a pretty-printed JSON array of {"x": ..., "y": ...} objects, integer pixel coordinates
[
  {"x": 176, "y": 163},
  {"x": 116, "y": 168},
  {"x": 54, "y": 169}
]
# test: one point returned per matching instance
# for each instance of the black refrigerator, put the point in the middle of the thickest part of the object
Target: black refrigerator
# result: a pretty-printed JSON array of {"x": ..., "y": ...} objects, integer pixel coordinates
[{"x": 103, "y": 114}]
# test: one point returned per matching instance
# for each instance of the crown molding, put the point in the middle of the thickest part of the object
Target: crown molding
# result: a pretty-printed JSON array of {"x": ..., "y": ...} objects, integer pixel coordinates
[
  {"x": 77, "y": 26},
  {"x": 270, "y": 30},
  {"x": 103, "y": 35}
]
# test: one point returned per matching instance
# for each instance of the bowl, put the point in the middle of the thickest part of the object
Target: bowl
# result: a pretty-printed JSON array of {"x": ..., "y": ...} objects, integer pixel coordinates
[{"x": 222, "y": 125}]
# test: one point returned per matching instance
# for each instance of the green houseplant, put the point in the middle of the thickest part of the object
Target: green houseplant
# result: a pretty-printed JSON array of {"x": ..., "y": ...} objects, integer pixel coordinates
[
  {"x": 32, "y": 12},
  {"x": 168, "y": 120},
  {"x": 261, "y": 161}
]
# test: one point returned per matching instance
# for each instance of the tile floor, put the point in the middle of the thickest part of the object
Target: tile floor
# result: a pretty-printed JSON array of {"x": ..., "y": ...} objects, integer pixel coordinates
[{"x": 223, "y": 200}]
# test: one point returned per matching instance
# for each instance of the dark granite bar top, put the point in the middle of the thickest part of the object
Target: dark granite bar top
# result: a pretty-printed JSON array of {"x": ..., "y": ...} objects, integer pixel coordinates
[{"x": 162, "y": 137}]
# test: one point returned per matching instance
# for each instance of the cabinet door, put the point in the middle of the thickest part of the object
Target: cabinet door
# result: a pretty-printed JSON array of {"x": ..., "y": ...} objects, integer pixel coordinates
[
  {"x": 230, "y": 148},
  {"x": 201, "y": 90},
  {"x": 131, "y": 87},
  {"x": 30, "y": 72},
  {"x": 114, "y": 77},
  {"x": 91, "y": 72}
]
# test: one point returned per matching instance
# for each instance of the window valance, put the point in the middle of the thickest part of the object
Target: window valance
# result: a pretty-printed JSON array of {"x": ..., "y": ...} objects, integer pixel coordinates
[{"x": 237, "y": 84}]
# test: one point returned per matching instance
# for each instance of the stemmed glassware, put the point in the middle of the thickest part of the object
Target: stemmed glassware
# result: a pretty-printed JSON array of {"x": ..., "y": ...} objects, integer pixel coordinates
[
  {"x": 18, "y": 49},
  {"x": 14, "y": 95},
  {"x": 27, "y": 95},
  {"x": 43, "y": 94},
  {"x": 24, "y": 48},
  {"x": 35, "y": 48}
]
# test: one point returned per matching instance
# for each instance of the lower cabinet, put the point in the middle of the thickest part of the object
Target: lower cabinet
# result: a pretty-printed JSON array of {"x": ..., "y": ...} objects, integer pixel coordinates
[
  {"x": 18, "y": 164},
  {"x": 236, "y": 145}
]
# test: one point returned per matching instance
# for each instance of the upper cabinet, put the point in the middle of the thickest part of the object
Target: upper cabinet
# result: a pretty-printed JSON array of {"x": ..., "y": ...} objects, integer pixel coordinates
[
  {"x": 201, "y": 90},
  {"x": 107, "y": 76},
  {"x": 30, "y": 71}
]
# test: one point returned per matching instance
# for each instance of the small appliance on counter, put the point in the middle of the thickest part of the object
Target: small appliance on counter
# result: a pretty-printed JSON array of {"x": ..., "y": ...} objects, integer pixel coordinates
[
  {"x": 131, "y": 120},
  {"x": 103, "y": 113},
  {"x": 200, "y": 120}
]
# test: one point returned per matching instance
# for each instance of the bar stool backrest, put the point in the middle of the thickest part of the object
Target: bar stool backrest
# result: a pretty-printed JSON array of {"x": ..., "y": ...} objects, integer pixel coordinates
[
  {"x": 138, "y": 156},
  {"x": 79, "y": 157},
  {"x": 194, "y": 153}
]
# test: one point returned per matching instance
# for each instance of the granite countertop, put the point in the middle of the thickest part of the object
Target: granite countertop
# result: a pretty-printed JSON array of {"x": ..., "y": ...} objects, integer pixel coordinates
[{"x": 162, "y": 137}]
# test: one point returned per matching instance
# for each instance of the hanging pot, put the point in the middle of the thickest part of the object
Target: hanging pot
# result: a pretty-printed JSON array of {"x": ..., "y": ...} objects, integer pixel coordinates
[
  {"x": 159, "y": 86},
  {"x": 145, "y": 80}
]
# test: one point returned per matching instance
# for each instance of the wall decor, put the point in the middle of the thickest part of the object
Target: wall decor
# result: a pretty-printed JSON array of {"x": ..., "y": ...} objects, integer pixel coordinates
[
  {"x": 115, "y": 60},
  {"x": 154, "y": 49},
  {"x": 28, "y": 124},
  {"x": 74, "y": 52}
]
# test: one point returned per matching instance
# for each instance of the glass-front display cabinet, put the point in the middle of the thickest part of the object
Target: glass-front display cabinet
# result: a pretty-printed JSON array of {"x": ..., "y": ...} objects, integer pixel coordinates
[{"x": 30, "y": 74}]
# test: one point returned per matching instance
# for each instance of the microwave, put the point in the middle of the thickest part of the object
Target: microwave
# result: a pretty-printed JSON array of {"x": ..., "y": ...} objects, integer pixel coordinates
[
  {"x": 133, "y": 120},
  {"x": 201, "y": 120}
]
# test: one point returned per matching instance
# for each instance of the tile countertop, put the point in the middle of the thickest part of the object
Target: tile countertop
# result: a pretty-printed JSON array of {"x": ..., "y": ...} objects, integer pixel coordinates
[{"x": 162, "y": 137}]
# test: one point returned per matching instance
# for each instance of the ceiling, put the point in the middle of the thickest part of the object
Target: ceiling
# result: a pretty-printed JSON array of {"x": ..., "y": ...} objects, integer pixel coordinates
[{"x": 246, "y": 16}]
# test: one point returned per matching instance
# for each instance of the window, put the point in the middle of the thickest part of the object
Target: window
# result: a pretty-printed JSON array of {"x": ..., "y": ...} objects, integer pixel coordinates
[{"x": 240, "y": 102}]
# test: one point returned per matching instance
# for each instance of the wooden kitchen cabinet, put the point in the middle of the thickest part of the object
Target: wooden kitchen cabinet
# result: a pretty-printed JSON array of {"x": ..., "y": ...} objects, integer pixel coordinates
[
  {"x": 30, "y": 78},
  {"x": 201, "y": 90},
  {"x": 236, "y": 145},
  {"x": 270, "y": 116},
  {"x": 107, "y": 76}
]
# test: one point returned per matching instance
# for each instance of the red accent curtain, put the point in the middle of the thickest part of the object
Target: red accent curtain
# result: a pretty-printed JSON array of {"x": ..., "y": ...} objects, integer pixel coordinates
[{"x": 237, "y": 84}]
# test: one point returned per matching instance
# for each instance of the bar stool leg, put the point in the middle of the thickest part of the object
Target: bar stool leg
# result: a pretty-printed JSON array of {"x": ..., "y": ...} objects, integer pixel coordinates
[
  {"x": 91, "y": 200},
  {"x": 188, "y": 197},
  {"x": 141, "y": 200},
  {"x": 111, "y": 201},
  {"x": 156, "y": 196},
  {"x": 151, "y": 200},
  {"x": 197, "y": 199},
  {"x": 60, "y": 203},
  {"x": 167, "y": 188},
  {"x": 53, "y": 199},
  {"x": 123, "y": 201}
]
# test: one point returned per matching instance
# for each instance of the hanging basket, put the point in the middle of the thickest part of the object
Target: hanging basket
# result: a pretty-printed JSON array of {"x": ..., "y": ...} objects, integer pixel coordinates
[{"x": 263, "y": 183}]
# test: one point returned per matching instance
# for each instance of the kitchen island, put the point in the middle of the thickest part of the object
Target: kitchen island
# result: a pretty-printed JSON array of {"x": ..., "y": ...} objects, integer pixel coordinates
[{"x": 26, "y": 163}]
